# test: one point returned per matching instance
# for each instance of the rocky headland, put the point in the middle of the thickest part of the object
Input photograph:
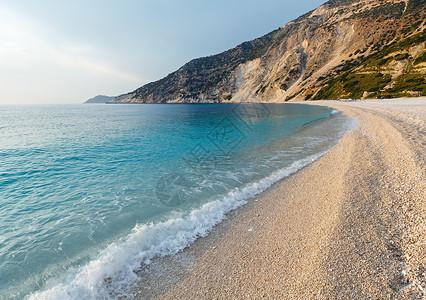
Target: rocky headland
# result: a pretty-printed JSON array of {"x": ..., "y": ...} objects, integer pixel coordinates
[{"x": 344, "y": 48}]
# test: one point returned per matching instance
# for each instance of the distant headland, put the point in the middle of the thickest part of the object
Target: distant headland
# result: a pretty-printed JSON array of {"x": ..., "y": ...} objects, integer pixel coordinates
[{"x": 100, "y": 99}]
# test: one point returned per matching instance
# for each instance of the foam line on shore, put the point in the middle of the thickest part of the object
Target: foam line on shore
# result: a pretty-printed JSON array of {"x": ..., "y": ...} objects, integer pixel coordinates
[{"x": 113, "y": 272}]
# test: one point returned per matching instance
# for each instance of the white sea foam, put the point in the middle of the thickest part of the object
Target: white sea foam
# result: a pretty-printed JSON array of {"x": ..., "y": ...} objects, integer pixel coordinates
[
  {"x": 112, "y": 273},
  {"x": 335, "y": 112}
]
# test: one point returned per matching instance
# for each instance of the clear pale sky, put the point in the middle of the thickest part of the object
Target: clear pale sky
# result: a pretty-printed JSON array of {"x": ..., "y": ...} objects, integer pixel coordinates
[{"x": 57, "y": 51}]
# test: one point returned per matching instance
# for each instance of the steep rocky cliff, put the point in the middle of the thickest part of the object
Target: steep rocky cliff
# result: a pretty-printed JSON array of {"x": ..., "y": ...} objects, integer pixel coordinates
[{"x": 343, "y": 48}]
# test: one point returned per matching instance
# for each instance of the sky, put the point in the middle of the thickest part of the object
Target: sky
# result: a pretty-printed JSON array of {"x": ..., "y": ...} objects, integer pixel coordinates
[{"x": 58, "y": 51}]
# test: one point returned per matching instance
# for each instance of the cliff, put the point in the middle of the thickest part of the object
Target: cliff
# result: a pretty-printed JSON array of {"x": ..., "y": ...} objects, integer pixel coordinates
[{"x": 343, "y": 48}]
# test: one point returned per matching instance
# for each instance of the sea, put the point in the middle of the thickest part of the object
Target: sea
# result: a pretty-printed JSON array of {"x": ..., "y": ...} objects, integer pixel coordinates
[{"x": 90, "y": 194}]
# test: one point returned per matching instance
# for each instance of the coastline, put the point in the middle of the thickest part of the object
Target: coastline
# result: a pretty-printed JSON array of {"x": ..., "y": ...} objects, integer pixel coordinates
[{"x": 352, "y": 224}]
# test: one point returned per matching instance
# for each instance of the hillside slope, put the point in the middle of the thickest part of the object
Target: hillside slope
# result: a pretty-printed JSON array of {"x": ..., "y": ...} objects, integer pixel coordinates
[
  {"x": 99, "y": 99},
  {"x": 343, "y": 48}
]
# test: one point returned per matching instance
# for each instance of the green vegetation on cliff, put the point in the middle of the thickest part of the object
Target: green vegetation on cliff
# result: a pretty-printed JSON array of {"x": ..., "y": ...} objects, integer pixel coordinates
[{"x": 371, "y": 73}]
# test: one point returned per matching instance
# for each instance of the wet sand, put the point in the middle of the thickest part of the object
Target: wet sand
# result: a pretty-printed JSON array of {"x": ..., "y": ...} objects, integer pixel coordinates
[{"x": 350, "y": 226}]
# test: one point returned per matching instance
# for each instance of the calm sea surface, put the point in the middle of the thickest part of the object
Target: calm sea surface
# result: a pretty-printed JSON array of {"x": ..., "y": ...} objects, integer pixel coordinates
[{"x": 89, "y": 193}]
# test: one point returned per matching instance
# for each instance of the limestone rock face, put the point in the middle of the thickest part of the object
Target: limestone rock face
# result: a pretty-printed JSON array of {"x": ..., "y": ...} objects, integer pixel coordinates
[{"x": 342, "y": 48}]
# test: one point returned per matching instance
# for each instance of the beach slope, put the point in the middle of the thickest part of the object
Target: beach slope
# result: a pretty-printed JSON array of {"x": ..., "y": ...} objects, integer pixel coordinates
[{"x": 349, "y": 226}]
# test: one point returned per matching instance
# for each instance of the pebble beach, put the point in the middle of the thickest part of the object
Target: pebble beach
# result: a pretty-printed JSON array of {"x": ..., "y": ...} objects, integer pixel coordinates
[{"x": 352, "y": 225}]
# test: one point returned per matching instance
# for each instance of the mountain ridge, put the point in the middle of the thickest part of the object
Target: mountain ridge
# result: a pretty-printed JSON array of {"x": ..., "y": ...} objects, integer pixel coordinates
[{"x": 343, "y": 48}]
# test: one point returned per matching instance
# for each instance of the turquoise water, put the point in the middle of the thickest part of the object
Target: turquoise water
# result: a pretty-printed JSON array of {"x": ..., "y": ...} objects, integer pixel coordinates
[{"x": 92, "y": 192}]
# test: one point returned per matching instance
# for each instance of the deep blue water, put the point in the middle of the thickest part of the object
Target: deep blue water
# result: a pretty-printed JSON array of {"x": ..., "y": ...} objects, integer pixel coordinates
[{"x": 89, "y": 192}]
